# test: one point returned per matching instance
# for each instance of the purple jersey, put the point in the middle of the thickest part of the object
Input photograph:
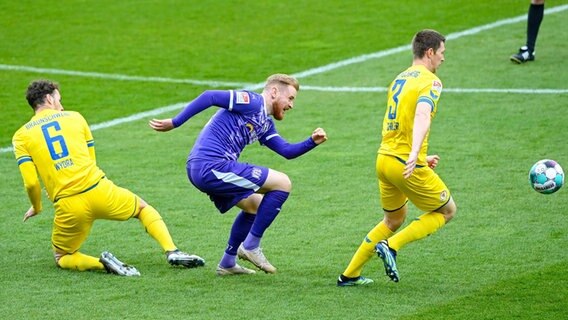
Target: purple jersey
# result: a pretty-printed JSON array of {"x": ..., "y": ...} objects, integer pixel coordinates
[
  {"x": 212, "y": 165},
  {"x": 242, "y": 121},
  {"x": 231, "y": 129}
]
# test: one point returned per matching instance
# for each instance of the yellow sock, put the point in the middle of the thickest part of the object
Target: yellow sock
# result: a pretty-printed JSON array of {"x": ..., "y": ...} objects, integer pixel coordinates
[
  {"x": 155, "y": 226},
  {"x": 79, "y": 261},
  {"x": 422, "y": 227},
  {"x": 367, "y": 249}
]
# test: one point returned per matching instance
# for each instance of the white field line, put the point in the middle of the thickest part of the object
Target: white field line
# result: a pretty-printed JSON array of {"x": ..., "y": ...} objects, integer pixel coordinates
[
  {"x": 454, "y": 90},
  {"x": 405, "y": 48},
  {"x": 303, "y": 74},
  {"x": 307, "y": 73},
  {"x": 122, "y": 77}
]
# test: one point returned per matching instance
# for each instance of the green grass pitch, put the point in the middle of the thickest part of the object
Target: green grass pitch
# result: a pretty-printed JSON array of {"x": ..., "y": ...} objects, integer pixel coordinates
[{"x": 502, "y": 257}]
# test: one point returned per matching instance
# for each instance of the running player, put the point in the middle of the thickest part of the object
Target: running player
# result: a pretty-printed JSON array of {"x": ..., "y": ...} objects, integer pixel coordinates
[
  {"x": 213, "y": 167},
  {"x": 404, "y": 170}
]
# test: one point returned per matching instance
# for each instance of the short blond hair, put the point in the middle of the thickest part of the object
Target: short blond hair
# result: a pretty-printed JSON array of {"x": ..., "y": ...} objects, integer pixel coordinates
[{"x": 283, "y": 79}]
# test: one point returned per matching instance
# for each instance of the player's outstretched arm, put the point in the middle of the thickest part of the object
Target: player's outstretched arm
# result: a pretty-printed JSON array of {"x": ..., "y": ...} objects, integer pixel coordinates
[
  {"x": 161, "y": 124},
  {"x": 293, "y": 150}
]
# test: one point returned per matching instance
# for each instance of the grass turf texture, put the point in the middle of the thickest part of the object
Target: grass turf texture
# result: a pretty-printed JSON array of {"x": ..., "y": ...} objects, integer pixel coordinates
[{"x": 503, "y": 256}]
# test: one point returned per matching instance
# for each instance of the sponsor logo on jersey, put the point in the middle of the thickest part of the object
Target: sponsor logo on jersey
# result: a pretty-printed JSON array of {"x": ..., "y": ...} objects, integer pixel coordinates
[
  {"x": 243, "y": 97},
  {"x": 436, "y": 89},
  {"x": 443, "y": 195},
  {"x": 437, "y": 85}
]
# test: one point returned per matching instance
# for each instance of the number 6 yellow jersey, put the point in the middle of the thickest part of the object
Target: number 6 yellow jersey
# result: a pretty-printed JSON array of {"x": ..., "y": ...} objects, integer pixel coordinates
[{"x": 60, "y": 146}]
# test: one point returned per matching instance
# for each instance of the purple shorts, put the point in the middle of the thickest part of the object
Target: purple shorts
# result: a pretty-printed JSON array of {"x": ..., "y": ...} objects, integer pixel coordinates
[{"x": 226, "y": 182}]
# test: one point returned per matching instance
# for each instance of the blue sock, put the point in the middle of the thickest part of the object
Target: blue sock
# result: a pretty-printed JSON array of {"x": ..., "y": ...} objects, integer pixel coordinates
[
  {"x": 267, "y": 211},
  {"x": 239, "y": 230},
  {"x": 251, "y": 242},
  {"x": 228, "y": 260}
]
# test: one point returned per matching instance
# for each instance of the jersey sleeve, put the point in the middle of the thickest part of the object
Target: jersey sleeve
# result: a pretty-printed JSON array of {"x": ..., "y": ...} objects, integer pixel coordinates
[
  {"x": 88, "y": 136},
  {"x": 430, "y": 93},
  {"x": 28, "y": 171},
  {"x": 276, "y": 143},
  {"x": 245, "y": 102},
  {"x": 219, "y": 98}
]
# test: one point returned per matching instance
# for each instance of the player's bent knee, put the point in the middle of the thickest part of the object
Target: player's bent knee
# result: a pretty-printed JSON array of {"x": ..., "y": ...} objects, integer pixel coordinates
[
  {"x": 394, "y": 224},
  {"x": 141, "y": 206},
  {"x": 277, "y": 181},
  {"x": 395, "y": 219},
  {"x": 286, "y": 184},
  {"x": 283, "y": 182},
  {"x": 450, "y": 215},
  {"x": 449, "y": 210}
]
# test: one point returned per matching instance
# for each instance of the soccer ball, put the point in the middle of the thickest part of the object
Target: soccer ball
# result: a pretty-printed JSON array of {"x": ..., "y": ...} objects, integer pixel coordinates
[{"x": 546, "y": 176}]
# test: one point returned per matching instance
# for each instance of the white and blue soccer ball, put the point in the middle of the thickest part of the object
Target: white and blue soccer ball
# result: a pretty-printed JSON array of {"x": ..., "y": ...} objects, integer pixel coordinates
[{"x": 546, "y": 176}]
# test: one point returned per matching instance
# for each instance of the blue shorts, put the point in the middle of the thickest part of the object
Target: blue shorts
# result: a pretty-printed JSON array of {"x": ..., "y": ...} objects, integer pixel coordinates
[{"x": 226, "y": 182}]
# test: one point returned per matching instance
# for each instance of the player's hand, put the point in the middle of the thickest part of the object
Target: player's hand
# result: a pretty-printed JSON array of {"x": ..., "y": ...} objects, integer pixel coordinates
[
  {"x": 30, "y": 213},
  {"x": 319, "y": 136},
  {"x": 432, "y": 160},
  {"x": 161, "y": 125},
  {"x": 410, "y": 165}
]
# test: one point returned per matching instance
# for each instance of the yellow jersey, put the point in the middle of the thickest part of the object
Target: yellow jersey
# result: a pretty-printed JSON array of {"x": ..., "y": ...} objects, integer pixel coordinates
[
  {"x": 415, "y": 84},
  {"x": 60, "y": 146}
]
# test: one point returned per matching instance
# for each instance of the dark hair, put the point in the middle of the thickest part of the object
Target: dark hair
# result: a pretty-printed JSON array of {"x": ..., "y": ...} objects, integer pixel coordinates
[
  {"x": 424, "y": 40},
  {"x": 38, "y": 89}
]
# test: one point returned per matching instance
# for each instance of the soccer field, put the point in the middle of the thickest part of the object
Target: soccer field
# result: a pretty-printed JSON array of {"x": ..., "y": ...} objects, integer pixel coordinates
[{"x": 123, "y": 63}]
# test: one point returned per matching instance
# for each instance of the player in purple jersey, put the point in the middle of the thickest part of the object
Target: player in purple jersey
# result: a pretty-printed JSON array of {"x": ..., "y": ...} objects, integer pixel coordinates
[{"x": 212, "y": 166}]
